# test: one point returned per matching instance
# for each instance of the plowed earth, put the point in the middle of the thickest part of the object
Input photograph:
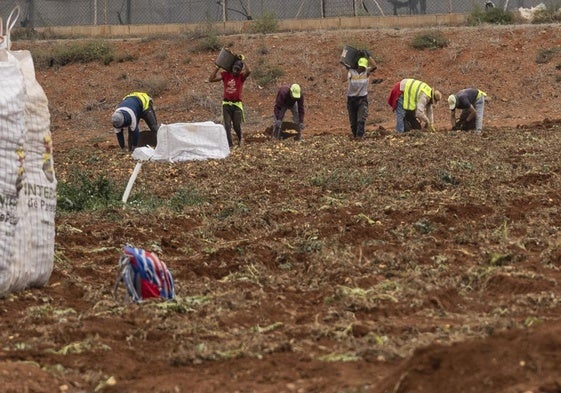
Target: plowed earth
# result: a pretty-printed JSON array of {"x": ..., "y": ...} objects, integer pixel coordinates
[{"x": 427, "y": 262}]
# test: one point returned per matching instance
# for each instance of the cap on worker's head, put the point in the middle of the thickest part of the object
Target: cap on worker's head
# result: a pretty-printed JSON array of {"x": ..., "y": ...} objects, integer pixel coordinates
[
  {"x": 118, "y": 119},
  {"x": 237, "y": 66},
  {"x": 436, "y": 96},
  {"x": 452, "y": 102},
  {"x": 295, "y": 90},
  {"x": 363, "y": 62}
]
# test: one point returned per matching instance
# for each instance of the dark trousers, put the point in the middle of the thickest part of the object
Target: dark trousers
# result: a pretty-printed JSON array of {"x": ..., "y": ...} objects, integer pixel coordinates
[
  {"x": 358, "y": 112},
  {"x": 233, "y": 116},
  {"x": 149, "y": 116},
  {"x": 411, "y": 121}
]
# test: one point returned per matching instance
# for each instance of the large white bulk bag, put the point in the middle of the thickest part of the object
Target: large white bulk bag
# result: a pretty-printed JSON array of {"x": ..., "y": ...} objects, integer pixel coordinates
[
  {"x": 27, "y": 181},
  {"x": 12, "y": 129},
  {"x": 35, "y": 231}
]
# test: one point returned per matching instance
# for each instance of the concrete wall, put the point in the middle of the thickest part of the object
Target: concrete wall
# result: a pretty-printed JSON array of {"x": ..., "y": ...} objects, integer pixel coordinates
[{"x": 236, "y": 27}]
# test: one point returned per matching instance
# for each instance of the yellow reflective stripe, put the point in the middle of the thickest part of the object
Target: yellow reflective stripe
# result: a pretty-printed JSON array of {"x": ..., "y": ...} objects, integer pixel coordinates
[{"x": 143, "y": 97}]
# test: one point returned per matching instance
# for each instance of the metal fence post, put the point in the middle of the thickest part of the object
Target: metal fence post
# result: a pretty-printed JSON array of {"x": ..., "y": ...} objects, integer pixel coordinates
[
  {"x": 31, "y": 13},
  {"x": 129, "y": 12}
]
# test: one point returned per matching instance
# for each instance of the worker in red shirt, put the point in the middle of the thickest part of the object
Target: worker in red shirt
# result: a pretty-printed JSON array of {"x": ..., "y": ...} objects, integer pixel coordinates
[{"x": 232, "y": 108}]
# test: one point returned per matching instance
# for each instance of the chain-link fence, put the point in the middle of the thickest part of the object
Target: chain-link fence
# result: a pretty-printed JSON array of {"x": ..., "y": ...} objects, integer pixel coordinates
[{"x": 41, "y": 13}]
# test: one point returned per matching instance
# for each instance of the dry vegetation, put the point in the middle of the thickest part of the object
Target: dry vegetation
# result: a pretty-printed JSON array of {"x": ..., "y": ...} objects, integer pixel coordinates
[{"x": 422, "y": 262}]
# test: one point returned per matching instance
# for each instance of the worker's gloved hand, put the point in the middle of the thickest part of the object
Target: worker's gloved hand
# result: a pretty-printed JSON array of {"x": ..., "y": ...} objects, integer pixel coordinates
[
  {"x": 459, "y": 126},
  {"x": 241, "y": 57}
]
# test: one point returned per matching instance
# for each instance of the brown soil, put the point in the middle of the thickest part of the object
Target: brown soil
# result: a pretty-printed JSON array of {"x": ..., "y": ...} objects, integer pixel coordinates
[{"x": 416, "y": 263}]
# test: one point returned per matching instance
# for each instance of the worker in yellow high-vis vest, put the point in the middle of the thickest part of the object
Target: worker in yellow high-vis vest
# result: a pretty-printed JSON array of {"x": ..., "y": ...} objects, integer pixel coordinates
[
  {"x": 133, "y": 107},
  {"x": 418, "y": 101}
]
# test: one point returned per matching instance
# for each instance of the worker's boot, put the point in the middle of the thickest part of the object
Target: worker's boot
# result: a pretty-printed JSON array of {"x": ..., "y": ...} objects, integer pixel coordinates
[{"x": 276, "y": 132}]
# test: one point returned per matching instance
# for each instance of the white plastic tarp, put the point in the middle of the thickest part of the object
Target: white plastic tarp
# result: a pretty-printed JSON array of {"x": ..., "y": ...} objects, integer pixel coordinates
[{"x": 186, "y": 142}]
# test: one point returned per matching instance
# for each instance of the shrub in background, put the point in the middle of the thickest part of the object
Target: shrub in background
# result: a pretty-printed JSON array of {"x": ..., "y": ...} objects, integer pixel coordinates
[
  {"x": 495, "y": 16},
  {"x": 268, "y": 23},
  {"x": 75, "y": 52},
  {"x": 429, "y": 40},
  {"x": 265, "y": 73}
]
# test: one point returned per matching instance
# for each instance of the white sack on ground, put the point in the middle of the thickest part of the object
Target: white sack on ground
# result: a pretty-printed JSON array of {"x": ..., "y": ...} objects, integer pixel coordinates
[
  {"x": 12, "y": 130},
  {"x": 35, "y": 230},
  {"x": 187, "y": 142},
  {"x": 27, "y": 181}
]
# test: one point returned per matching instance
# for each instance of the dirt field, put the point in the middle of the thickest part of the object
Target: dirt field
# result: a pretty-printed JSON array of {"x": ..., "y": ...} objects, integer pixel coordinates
[{"x": 427, "y": 262}]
